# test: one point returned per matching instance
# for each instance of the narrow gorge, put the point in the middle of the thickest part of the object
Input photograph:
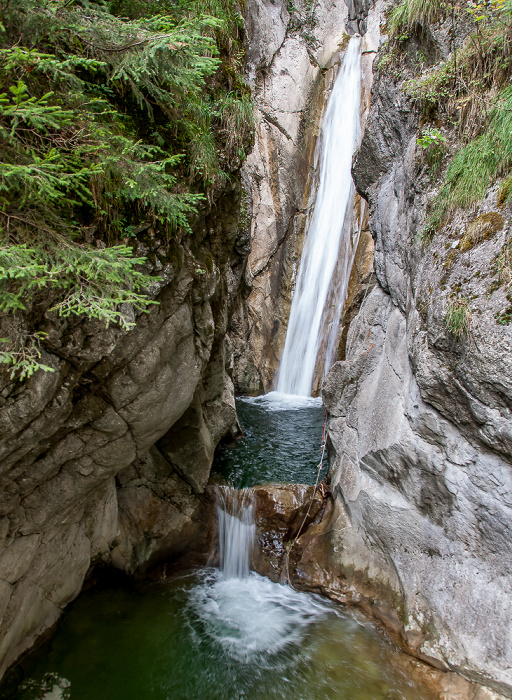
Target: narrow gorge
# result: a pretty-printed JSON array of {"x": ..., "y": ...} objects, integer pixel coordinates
[{"x": 255, "y": 374}]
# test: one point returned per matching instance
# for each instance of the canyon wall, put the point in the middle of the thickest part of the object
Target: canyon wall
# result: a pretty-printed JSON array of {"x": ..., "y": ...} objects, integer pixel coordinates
[
  {"x": 106, "y": 459},
  {"x": 293, "y": 59},
  {"x": 420, "y": 418}
]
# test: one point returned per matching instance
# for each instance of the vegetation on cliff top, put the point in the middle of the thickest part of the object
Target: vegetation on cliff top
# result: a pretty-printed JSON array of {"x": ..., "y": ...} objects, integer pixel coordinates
[
  {"x": 113, "y": 117},
  {"x": 465, "y": 136},
  {"x": 469, "y": 94}
]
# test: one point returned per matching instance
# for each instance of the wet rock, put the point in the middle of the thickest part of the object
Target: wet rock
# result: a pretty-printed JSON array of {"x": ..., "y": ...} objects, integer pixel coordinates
[
  {"x": 419, "y": 427},
  {"x": 314, "y": 562},
  {"x": 281, "y": 514}
]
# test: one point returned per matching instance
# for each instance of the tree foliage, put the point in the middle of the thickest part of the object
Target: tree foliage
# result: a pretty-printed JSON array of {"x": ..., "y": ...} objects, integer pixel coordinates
[{"x": 112, "y": 117}]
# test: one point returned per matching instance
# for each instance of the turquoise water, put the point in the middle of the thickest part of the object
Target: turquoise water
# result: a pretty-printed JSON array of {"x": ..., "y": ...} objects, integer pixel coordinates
[
  {"x": 209, "y": 636},
  {"x": 281, "y": 443},
  {"x": 203, "y": 637}
]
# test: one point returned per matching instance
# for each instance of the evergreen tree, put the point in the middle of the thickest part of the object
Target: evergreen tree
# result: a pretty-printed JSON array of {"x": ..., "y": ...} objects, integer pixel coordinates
[{"x": 112, "y": 117}]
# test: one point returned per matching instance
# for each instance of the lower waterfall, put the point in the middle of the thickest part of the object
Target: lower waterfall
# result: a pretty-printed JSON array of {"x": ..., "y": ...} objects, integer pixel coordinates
[
  {"x": 220, "y": 633},
  {"x": 329, "y": 233},
  {"x": 236, "y": 531}
]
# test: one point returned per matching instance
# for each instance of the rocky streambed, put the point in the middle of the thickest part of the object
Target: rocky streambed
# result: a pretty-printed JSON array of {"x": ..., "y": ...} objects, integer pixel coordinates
[{"x": 209, "y": 634}]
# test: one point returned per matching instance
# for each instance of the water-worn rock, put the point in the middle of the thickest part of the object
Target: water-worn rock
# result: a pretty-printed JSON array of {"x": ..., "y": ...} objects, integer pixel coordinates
[
  {"x": 292, "y": 68},
  {"x": 281, "y": 513},
  {"x": 299, "y": 536},
  {"x": 105, "y": 460},
  {"x": 420, "y": 420}
]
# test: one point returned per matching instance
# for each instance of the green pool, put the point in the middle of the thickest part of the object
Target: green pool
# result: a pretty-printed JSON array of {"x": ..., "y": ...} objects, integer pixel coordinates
[{"x": 206, "y": 637}]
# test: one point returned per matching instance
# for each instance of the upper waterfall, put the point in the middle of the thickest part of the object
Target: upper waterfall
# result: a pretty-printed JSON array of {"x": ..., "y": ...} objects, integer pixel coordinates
[{"x": 339, "y": 138}]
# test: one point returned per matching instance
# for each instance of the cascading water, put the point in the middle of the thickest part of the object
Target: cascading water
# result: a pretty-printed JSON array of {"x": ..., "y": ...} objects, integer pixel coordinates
[
  {"x": 236, "y": 531},
  {"x": 216, "y": 633},
  {"x": 324, "y": 240}
]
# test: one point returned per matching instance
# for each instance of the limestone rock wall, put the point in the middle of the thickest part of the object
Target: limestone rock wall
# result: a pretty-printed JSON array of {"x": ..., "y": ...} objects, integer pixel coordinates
[
  {"x": 106, "y": 459},
  {"x": 420, "y": 420},
  {"x": 293, "y": 61}
]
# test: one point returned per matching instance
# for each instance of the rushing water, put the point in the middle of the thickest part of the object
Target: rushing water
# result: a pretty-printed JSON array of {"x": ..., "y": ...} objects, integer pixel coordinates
[
  {"x": 281, "y": 443},
  {"x": 217, "y": 634},
  {"x": 206, "y": 637},
  {"x": 327, "y": 237},
  {"x": 236, "y": 531}
]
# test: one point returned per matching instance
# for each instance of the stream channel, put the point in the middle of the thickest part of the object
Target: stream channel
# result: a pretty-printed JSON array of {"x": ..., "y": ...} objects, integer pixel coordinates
[{"x": 210, "y": 634}]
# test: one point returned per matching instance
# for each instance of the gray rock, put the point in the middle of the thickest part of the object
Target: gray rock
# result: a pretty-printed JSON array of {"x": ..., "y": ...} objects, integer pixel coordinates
[
  {"x": 84, "y": 473},
  {"x": 420, "y": 425}
]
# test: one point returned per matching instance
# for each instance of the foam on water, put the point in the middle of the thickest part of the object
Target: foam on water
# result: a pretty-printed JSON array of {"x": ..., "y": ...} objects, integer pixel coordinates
[
  {"x": 253, "y": 619},
  {"x": 279, "y": 401}
]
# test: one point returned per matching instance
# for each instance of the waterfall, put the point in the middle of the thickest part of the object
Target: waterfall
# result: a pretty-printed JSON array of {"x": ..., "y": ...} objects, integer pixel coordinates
[
  {"x": 327, "y": 233},
  {"x": 236, "y": 531}
]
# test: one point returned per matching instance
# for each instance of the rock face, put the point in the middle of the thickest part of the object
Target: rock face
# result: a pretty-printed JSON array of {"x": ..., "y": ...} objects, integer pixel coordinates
[
  {"x": 293, "y": 544},
  {"x": 105, "y": 460},
  {"x": 420, "y": 419},
  {"x": 293, "y": 61}
]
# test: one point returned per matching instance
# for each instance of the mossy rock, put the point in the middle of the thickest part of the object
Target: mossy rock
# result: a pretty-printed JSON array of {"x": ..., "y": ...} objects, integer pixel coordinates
[
  {"x": 505, "y": 190},
  {"x": 344, "y": 41},
  {"x": 482, "y": 228}
]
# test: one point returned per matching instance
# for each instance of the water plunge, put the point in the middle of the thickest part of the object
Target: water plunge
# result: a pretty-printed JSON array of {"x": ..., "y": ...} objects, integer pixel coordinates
[
  {"x": 328, "y": 236},
  {"x": 236, "y": 531},
  {"x": 218, "y": 633}
]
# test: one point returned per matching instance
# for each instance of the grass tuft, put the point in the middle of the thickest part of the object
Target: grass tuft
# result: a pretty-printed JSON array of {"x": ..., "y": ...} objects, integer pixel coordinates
[
  {"x": 412, "y": 12},
  {"x": 458, "y": 317},
  {"x": 505, "y": 190},
  {"x": 479, "y": 163}
]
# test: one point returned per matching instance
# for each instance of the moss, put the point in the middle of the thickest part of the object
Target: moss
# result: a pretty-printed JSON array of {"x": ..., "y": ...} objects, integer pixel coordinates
[
  {"x": 345, "y": 38},
  {"x": 505, "y": 190},
  {"x": 207, "y": 261},
  {"x": 244, "y": 220},
  {"x": 504, "y": 317},
  {"x": 494, "y": 287},
  {"x": 482, "y": 228},
  {"x": 450, "y": 259}
]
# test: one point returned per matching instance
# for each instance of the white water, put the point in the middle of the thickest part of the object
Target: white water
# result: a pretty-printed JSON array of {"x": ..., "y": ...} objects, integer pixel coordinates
[
  {"x": 236, "y": 531},
  {"x": 253, "y": 619},
  {"x": 323, "y": 244},
  {"x": 249, "y": 616},
  {"x": 275, "y": 401}
]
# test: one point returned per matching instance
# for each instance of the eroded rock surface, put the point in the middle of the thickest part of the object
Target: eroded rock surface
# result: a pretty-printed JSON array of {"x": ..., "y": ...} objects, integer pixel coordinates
[
  {"x": 299, "y": 538},
  {"x": 105, "y": 460},
  {"x": 420, "y": 420},
  {"x": 292, "y": 68}
]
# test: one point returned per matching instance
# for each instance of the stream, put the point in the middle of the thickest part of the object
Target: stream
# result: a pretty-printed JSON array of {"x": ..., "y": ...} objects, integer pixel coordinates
[
  {"x": 222, "y": 634},
  {"x": 230, "y": 633}
]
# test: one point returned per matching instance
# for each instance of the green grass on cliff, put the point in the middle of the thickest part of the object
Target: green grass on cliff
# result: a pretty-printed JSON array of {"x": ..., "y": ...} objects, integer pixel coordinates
[
  {"x": 408, "y": 13},
  {"x": 114, "y": 118},
  {"x": 477, "y": 165},
  {"x": 468, "y": 96}
]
